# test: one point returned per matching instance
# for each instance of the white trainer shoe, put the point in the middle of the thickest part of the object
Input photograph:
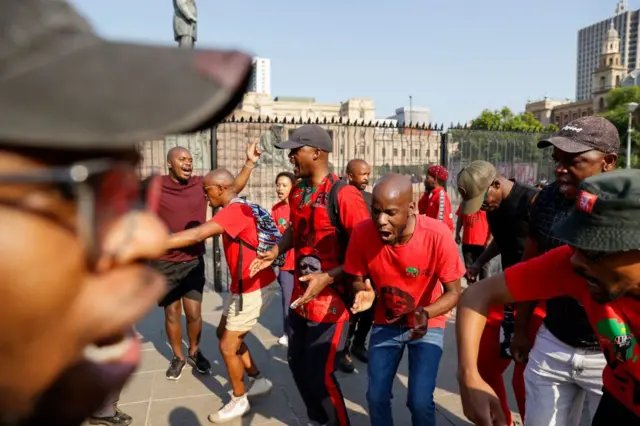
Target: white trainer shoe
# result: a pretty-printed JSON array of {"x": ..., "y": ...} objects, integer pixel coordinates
[
  {"x": 284, "y": 340},
  {"x": 237, "y": 407},
  {"x": 259, "y": 386}
]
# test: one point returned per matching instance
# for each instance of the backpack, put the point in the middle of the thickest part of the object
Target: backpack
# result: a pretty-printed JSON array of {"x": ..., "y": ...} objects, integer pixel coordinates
[
  {"x": 334, "y": 212},
  {"x": 268, "y": 236}
]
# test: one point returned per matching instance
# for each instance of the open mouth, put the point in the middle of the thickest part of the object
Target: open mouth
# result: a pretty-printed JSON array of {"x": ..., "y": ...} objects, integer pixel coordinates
[
  {"x": 122, "y": 349},
  {"x": 186, "y": 171},
  {"x": 385, "y": 235}
]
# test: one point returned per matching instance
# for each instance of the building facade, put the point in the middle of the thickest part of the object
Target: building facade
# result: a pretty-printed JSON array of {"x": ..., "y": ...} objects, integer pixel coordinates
[
  {"x": 414, "y": 115},
  {"x": 608, "y": 75},
  {"x": 590, "y": 42},
  {"x": 260, "y": 76}
]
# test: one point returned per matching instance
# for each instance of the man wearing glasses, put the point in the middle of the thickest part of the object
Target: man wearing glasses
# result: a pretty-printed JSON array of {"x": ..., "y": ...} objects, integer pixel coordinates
[
  {"x": 507, "y": 205},
  {"x": 77, "y": 229}
]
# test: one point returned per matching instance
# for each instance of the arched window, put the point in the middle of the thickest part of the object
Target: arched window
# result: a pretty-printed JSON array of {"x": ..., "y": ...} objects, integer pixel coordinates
[
  {"x": 602, "y": 81},
  {"x": 617, "y": 80},
  {"x": 601, "y": 104}
]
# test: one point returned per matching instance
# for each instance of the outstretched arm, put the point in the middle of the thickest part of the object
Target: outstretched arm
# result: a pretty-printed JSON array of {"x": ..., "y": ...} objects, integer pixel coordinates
[
  {"x": 192, "y": 236},
  {"x": 253, "y": 152}
]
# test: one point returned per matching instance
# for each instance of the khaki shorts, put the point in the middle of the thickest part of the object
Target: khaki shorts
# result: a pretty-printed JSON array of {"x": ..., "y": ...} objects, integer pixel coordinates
[{"x": 253, "y": 304}]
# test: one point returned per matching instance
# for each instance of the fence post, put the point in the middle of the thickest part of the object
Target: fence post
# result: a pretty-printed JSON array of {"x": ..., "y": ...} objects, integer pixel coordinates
[
  {"x": 444, "y": 149},
  {"x": 217, "y": 258}
]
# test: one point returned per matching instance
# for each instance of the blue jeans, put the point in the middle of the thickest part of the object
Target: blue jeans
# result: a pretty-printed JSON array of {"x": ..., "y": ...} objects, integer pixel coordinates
[{"x": 386, "y": 346}]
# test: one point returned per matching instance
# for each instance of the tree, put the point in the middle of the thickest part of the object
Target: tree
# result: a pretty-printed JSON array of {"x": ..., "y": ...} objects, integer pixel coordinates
[
  {"x": 506, "y": 120},
  {"x": 616, "y": 111}
]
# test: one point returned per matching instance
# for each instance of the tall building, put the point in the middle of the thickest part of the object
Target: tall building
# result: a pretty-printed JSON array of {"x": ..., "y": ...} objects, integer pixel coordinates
[
  {"x": 591, "y": 40},
  {"x": 414, "y": 115},
  {"x": 261, "y": 76}
]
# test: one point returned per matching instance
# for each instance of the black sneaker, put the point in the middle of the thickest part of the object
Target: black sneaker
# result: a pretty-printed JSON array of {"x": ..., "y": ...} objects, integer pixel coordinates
[
  {"x": 346, "y": 364},
  {"x": 175, "y": 368},
  {"x": 120, "y": 419},
  {"x": 201, "y": 364},
  {"x": 360, "y": 352}
]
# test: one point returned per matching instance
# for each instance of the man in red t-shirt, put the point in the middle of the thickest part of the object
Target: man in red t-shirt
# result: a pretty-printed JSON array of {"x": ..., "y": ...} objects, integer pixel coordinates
[
  {"x": 409, "y": 259},
  {"x": 600, "y": 268},
  {"x": 318, "y": 314},
  {"x": 435, "y": 201},
  {"x": 248, "y": 296},
  {"x": 476, "y": 237}
]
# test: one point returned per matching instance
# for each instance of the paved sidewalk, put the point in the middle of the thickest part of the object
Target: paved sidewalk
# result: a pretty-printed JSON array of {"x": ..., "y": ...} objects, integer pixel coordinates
[{"x": 153, "y": 400}]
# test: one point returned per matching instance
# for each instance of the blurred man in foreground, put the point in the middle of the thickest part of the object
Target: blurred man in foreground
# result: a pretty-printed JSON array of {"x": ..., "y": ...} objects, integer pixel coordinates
[{"x": 76, "y": 223}]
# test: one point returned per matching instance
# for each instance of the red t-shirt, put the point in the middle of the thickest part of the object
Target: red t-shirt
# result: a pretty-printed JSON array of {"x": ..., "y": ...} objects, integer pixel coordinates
[
  {"x": 405, "y": 276},
  {"x": 475, "y": 228},
  {"x": 281, "y": 214},
  {"x": 316, "y": 242},
  {"x": 438, "y": 206},
  {"x": 617, "y": 323},
  {"x": 239, "y": 222}
]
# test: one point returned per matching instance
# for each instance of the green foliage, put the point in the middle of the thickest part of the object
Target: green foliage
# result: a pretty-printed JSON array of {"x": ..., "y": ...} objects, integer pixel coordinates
[
  {"x": 506, "y": 120},
  {"x": 616, "y": 111}
]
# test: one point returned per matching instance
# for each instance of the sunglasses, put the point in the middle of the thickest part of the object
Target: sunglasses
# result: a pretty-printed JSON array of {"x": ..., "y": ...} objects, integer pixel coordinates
[{"x": 103, "y": 190}]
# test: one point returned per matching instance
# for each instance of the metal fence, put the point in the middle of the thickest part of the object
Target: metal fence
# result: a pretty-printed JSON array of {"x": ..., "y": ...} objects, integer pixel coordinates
[{"x": 385, "y": 145}]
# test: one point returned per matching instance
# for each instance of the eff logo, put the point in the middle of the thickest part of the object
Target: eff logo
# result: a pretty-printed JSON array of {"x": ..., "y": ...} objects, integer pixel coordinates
[{"x": 586, "y": 201}]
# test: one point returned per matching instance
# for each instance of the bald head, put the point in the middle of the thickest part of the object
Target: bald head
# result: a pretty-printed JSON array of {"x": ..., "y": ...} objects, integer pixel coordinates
[
  {"x": 220, "y": 177},
  {"x": 394, "y": 187},
  {"x": 358, "y": 172},
  {"x": 392, "y": 208},
  {"x": 176, "y": 152},
  {"x": 180, "y": 164}
]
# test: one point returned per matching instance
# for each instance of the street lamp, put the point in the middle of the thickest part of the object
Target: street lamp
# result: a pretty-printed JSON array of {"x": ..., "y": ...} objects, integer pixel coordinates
[{"x": 631, "y": 108}]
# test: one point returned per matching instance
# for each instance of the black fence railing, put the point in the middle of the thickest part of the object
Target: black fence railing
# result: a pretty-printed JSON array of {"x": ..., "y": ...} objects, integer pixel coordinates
[{"x": 386, "y": 145}]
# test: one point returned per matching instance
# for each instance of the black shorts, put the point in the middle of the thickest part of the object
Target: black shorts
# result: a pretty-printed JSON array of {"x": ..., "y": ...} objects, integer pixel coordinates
[{"x": 184, "y": 280}]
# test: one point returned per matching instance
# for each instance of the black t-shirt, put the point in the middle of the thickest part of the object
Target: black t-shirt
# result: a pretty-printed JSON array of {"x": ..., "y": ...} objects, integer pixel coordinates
[
  {"x": 566, "y": 319},
  {"x": 509, "y": 224}
]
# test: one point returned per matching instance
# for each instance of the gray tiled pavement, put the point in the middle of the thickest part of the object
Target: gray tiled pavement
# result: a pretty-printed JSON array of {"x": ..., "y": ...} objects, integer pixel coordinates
[{"x": 153, "y": 400}]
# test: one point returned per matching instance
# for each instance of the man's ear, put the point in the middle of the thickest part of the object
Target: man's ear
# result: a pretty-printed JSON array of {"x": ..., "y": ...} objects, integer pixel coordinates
[
  {"x": 412, "y": 207},
  {"x": 609, "y": 162}
]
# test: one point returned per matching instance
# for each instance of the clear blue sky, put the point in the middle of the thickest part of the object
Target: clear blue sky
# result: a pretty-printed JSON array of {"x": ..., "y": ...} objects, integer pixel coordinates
[{"x": 456, "y": 57}]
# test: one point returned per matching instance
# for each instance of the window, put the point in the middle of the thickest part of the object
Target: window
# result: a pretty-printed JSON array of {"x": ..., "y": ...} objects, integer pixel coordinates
[
  {"x": 610, "y": 61},
  {"x": 584, "y": 114},
  {"x": 361, "y": 149},
  {"x": 367, "y": 150},
  {"x": 601, "y": 104},
  {"x": 428, "y": 152},
  {"x": 566, "y": 118},
  {"x": 602, "y": 82},
  {"x": 404, "y": 152},
  {"x": 557, "y": 120},
  {"x": 384, "y": 152},
  {"x": 617, "y": 80},
  {"x": 416, "y": 152},
  {"x": 395, "y": 152},
  {"x": 341, "y": 150},
  {"x": 575, "y": 115}
]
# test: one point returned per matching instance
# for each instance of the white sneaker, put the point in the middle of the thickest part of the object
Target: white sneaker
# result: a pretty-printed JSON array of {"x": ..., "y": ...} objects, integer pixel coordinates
[
  {"x": 259, "y": 386},
  {"x": 237, "y": 407},
  {"x": 284, "y": 340}
]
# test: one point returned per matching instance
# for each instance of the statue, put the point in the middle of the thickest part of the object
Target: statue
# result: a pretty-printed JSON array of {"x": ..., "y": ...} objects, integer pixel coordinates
[
  {"x": 185, "y": 22},
  {"x": 270, "y": 154}
]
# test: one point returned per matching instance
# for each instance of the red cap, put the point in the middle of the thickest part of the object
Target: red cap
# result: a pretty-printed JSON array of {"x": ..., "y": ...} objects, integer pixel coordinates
[{"x": 438, "y": 172}]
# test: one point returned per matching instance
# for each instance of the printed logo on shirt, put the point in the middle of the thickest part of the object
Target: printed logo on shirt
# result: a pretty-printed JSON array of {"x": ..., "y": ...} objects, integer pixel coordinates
[
  {"x": 413, "y": 272},
  {"x": 617, "y": 338},
  {"x": 586, "y": 201},
  {"x": 397, "y": 303},
  {"x": 283, "y": 222}
]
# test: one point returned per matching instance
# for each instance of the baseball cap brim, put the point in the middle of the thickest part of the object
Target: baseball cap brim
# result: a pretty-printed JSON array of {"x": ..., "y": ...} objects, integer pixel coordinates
[
  {"x": 288, "y": 145},
  {"x": 579, "y": 231},
  {"x": 472, "y": 205},
  {"x": 107, "y": 95},
  {"x": 564, "y": 144}
]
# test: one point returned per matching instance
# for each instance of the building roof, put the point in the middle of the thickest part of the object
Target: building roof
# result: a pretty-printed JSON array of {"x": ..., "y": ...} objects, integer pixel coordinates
[{"x": 632, "y": 79}]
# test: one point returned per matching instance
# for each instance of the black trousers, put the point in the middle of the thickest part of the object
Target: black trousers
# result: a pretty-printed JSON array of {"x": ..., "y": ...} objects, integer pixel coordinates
[
  {"x": 312, "y": 359},
  {"x": 611, "y": 412},
  {"x": 470, "y": 253},
  {"x": 359, "y": 327}
]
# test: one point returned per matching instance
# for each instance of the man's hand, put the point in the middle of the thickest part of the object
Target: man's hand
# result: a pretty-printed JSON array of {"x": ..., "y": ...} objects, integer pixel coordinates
[
  {"x": 315, "y": 284},
  {"x": 458, "y": 239},
  {"x": 421, "y": 324},
  {"x": 520, "y": 347},
  {"x": 363, "y": 298},
  {"x": 263, "y": 260},
  {"x": 472, "y": 273},
  {"x": 480, "y": 403},
  {"x": 253, "y": 151}
]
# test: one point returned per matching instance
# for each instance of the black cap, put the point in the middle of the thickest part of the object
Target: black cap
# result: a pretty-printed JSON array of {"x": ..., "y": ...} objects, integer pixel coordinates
[
  {"x": 585, "y": 134},
  {"x": 64, "y": 87},
  {"x": 308, "y": 135},
  {"x": 606, "y": 217}
]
